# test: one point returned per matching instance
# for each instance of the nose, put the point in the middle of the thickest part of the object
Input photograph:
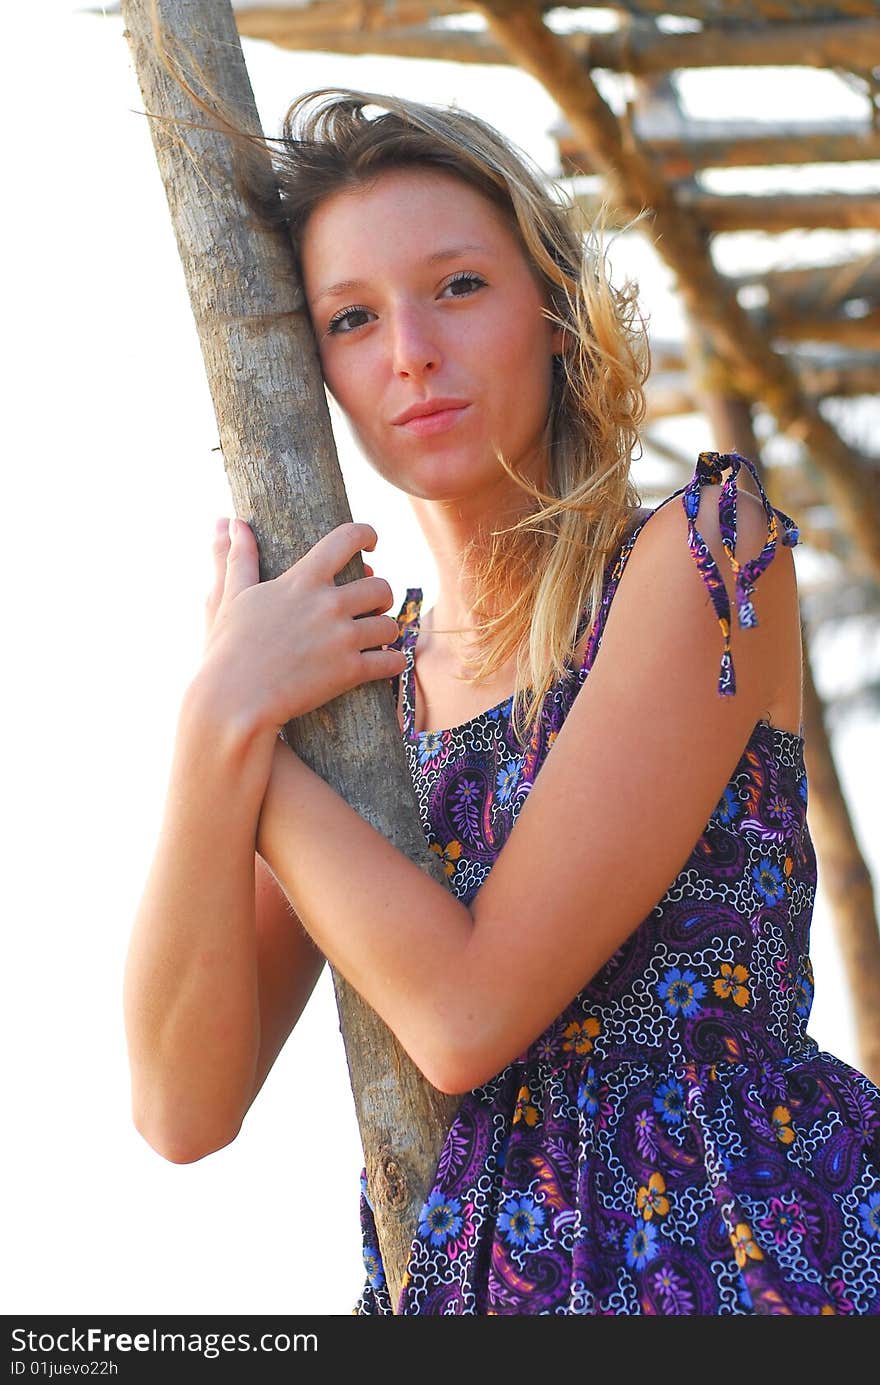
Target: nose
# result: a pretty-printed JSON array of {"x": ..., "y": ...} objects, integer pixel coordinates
[{"x": 414, "y": 344}]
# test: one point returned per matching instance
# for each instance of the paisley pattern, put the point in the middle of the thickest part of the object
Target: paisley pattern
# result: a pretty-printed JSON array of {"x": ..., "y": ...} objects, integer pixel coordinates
[{"x": 674, "y": 1142}]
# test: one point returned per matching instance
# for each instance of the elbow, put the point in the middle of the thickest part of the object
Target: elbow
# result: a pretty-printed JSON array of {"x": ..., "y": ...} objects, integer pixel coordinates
[
  {"x": 461, "y": 1058},
  {"x": 179, "y": 1146},
  {"x": 456, "y": 1074}
]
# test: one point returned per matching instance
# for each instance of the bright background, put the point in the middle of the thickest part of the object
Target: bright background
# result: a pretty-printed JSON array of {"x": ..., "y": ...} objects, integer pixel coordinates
[{"x": 113, "y": 483}]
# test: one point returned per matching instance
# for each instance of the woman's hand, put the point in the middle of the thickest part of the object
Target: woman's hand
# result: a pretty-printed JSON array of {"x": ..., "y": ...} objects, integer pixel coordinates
[{"x": 279, "y": 649}]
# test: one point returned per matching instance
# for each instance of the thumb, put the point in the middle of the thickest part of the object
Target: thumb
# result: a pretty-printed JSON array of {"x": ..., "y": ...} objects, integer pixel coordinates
[{"x": 242, "y": 560}]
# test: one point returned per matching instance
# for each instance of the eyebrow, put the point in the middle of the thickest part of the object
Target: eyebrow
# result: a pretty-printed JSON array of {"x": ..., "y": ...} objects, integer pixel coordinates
[{"x": 350, "y": 285}]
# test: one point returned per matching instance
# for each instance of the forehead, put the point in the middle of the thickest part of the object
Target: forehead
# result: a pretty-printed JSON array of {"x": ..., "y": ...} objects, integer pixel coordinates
[{"x": 402, "y": 212}]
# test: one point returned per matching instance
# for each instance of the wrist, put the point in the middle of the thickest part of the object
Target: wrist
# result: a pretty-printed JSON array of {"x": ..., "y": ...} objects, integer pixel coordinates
[{"x": 237, "y": 730}]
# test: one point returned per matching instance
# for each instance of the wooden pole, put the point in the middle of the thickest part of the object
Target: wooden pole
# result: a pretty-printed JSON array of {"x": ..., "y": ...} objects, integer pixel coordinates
[{"x": 278, "y": 451}]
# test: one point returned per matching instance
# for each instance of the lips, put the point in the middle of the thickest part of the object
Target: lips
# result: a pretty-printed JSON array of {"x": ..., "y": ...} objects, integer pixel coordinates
[
  {"x": 424, "y": 425},
  {"x": 428, "y": 407}
]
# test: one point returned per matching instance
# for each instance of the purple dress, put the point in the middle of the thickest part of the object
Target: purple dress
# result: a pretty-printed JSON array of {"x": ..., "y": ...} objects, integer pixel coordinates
[{"x": 674, "y": 1142}]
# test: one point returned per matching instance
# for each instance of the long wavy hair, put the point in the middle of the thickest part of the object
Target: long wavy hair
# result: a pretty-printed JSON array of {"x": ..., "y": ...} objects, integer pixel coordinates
[{"x": 538, "y": 581}]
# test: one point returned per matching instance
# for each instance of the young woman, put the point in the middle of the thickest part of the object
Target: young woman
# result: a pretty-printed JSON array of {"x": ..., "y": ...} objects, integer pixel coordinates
[{"x": 618, "y": 979}]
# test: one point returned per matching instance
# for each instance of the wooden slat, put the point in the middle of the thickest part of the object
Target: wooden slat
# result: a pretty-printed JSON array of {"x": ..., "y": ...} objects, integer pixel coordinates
[
  {"x": 782, "y": 212},
  {"x": 740, "y": 144}
]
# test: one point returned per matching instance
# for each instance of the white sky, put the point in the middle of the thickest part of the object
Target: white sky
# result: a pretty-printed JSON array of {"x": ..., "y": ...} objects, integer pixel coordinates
[{"x": 112, "y": 488}]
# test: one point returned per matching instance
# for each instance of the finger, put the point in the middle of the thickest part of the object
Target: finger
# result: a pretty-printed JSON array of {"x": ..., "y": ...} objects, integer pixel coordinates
[
  {"x": 373, "y": 631},
  {"x": 366, "y": 596},
  {"x": 381, "y": 663},
  {"x": 368, "y": 570},
  {"x": 335, "y": 550},
  {"x": 219, "y": 548},
  {"x": 242, "y": 560}
]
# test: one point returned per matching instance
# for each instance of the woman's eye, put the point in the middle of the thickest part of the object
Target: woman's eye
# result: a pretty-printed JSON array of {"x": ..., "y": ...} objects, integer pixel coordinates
[
  {"x": 335, "y": 323},
  {"x": 465, "y": 277},
  {"x": 343, "y": 322}
]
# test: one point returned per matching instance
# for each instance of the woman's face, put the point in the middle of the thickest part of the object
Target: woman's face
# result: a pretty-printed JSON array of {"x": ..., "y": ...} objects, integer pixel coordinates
[{"x": 418, "y": 290}]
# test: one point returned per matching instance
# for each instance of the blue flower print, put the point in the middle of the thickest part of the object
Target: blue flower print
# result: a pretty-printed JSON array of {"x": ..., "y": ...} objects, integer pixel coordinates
[
  {"x": 729, "y": 808},
  {"x": 439, "y": 1220},
  {"x": 768, "y": 881},
  {"x": 669, "y": 1102},
  {"x": 589, "y": 1092},
  {"x": 507, "y": 779},
  {"x": 803, "y": 996},
  {"x": 430, "y": 745},
  {"x": 870, "y": 1214},
  {"x": 496, "y": 713},
  {"x": 681, "y": 992},
  {"x": 365, "y": 1190},
  {"x": 641, "y": 1245},
  {"x": 373, "y": 1266},
  {"x": 521, "y": 1221}
]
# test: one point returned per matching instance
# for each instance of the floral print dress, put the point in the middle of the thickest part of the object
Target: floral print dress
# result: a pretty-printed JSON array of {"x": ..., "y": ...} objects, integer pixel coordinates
[{"x": 675, "y": 1142}]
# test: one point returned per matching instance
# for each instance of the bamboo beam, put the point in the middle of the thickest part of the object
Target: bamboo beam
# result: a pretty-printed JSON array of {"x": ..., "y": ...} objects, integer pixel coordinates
[
  {"x": 773, "y": 213},
  {"x": 739, "y": 144},
  {"x": 725, "y": 13},
  {"x": 335, "y": 28},
  {"x": 844, "y": 211},
  {"x": 858, "y": 332},
  {"x": 278, "y": 451},
  {"x": 670, "y": 394},
  {"x": 290, "y": 27},
  {"x": 634, "y": 185},
  {"x": 835, "y": 372},
  {"x": 853, "y": 277},
  {"x": 435, "y": 45},
  {"x": 848, "y": 43}
]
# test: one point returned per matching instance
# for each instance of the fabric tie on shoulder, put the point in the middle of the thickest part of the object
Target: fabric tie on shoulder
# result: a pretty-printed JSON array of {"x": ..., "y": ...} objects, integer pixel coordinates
[{"x": 710, "y": 470}]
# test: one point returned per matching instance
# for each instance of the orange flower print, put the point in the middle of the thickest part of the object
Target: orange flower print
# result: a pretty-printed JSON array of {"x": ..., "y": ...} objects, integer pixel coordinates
[
  {"x": 448, "y": 855},
  {"x": 781, "y": 1122},
  {"x": 525, "y": 1111},
  {"x": 410, "y": 612},
  {"x": 579, "y": 1035},
  {"x": 651, "y": 1200},
  {"x": 743, "y": 1245},
  {"x": 729, "y": 985}
]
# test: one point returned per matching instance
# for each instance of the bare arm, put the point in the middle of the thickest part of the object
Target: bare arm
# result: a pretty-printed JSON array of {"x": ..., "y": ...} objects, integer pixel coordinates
[
  {"x": 467, "y": 988},
  {"x": 219, "y": 968},
  {"x": 191, "y": 988}
]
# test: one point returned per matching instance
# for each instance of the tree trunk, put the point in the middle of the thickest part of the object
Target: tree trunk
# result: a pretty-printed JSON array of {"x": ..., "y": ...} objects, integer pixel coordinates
[{"x": 280, "y": 458}]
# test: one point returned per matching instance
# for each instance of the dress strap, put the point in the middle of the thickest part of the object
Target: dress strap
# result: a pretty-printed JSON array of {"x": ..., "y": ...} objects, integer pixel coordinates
[
  {"x": 709, "y": 471},
  {"x": 408, "y": 624}
]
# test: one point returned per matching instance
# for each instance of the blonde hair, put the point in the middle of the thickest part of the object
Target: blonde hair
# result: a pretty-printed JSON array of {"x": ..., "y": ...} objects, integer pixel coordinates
[{"x": 534, "y": 578}]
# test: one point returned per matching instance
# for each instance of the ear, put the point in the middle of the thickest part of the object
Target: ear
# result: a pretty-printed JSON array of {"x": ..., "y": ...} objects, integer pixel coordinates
[{"x": 557, "y": 341}]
